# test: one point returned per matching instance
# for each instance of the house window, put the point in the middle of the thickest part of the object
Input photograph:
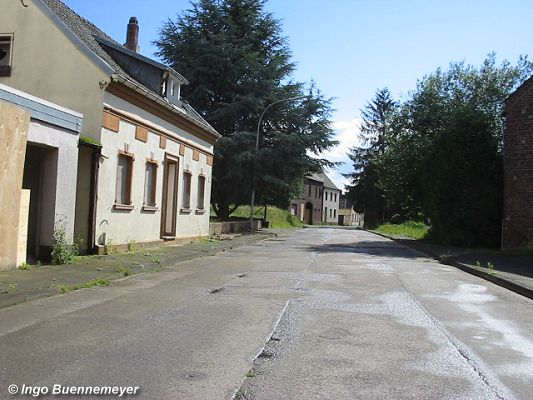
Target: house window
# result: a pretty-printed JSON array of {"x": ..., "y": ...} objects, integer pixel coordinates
[
  {"x": 335, "y": 197},
  {"x": 186, "y": 198},
  {"x": 330, "y": 213},
  {"x": 6, "y": 51},
  {"x": 201, "y": 192},
  {"x": 124, "y": 179},
  {"x": 334, "y": 213},
  {"x": 150, "y": 183}
]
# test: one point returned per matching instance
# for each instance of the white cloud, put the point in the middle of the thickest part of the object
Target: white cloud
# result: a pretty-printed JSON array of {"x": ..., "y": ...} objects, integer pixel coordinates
[{"x": 347, "y": 134}]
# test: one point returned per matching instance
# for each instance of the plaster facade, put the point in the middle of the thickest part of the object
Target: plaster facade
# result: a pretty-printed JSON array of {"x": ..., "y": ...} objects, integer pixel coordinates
[
  {"x": 121, "y": 226},
  {"x": 330, "y": 204},
  {"x": 49, "y": 64}
]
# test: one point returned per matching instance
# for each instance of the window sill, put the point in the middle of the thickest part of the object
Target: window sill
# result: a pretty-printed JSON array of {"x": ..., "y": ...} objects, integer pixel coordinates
[
  {"x": 200, "y": 211},
  {"x": 126, "y": 207},
  {"x": 150, "y": 208},
  {"x": 185, "y": 211}
]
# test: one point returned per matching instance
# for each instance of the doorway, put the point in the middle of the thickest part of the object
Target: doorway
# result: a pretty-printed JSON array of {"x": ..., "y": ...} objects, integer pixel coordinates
[
  {"x": 308, "y": 215},
  {"x": 170, "y": 198}
]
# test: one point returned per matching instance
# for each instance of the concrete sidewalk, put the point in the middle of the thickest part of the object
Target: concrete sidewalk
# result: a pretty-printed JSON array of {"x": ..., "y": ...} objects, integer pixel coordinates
[
  {"x": 17, "y": 286},
  {"x": 512, "y": 271}
]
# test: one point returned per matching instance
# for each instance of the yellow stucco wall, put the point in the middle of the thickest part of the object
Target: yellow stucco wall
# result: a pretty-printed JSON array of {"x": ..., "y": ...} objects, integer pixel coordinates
[{"x": 47, "y": 64}]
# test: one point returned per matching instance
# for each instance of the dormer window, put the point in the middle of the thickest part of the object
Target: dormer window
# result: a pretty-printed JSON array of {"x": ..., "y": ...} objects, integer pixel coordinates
[
  {"x": 172, "y": 90},
  {"x": 6, "y": 51}
]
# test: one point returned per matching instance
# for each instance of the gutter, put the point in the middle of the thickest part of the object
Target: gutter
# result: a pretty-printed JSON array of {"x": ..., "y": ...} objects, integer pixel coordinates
[{"x": 147, "y": 93}]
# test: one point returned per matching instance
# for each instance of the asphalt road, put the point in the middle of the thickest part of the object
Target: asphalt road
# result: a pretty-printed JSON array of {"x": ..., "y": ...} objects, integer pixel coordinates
[{"x": 314, "y": 314}]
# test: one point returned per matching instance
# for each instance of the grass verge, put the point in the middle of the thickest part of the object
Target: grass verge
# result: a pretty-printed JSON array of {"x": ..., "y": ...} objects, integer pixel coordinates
[
  {"x": 277, "y": 217},
  {"x": 409, "y": 229}
]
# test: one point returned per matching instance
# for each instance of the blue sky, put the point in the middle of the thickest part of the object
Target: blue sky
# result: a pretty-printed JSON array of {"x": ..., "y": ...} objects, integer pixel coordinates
[{"x": 350, "y": 48}]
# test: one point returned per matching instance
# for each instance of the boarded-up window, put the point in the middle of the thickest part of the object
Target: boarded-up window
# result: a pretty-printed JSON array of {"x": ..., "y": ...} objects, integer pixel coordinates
[
  {"x": 6, "y": 50},
  {"x": 201, "y": 192},
  {"x": 186, "y": 198},
  {"x": 150, "y": 181},
  {"x": 124, "y": 178}
]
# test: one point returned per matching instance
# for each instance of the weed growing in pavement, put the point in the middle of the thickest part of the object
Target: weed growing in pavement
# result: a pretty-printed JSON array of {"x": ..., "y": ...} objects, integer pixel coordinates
[
  {"x": 250, "y": 374},
  {"x": 123, "y": 270},
  {"x": 62, "y": 253},
  {"x": 156, "y": 260},
  {"x": 88, "y": 284},
  {"x": 477, "y": 264},
  {"x": 11, "y": 288},
  {"x": 490, "y": 268},
  {"x": 25, "y": 266}
]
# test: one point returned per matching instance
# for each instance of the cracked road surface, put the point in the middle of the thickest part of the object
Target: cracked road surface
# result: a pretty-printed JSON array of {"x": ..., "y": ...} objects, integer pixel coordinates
[{"x": 313, "y": 314}]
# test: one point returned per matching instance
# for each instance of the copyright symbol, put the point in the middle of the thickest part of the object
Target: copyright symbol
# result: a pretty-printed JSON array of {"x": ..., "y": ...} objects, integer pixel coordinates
[{"x": 13, "y": 389}]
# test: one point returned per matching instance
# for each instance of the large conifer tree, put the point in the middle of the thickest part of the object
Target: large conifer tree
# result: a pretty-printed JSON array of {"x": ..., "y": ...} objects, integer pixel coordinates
[{"x": 237, "y": 62}]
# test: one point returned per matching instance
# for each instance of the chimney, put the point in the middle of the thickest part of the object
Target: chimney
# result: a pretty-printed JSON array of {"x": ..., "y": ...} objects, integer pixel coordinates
[{"x": 132, "y": 35}]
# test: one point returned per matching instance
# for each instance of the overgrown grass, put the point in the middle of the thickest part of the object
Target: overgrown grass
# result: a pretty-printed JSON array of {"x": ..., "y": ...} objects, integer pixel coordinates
[
  {"x": 88, "y": 284},
  {"x": 277, "y": 217},
  {"x": 410, "y": 229}
]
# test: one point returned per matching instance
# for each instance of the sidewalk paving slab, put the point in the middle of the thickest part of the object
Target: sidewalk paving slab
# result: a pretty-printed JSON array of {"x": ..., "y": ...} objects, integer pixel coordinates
[
  {"x": 511, "y": 271},
  {"x": 18, "y": 286}
]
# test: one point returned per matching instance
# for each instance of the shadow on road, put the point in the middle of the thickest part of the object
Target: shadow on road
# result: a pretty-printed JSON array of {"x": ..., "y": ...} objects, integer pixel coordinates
[{"x": 370, "y": 247}]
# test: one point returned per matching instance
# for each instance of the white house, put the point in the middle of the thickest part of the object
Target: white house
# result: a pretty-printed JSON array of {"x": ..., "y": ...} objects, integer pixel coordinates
[
  {"x": 145, "y": 161},
  {"x": 330, "y": 201}
]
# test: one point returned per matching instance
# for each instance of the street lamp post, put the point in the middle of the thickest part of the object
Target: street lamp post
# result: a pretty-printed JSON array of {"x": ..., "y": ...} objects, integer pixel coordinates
[{"x": 252, "y": 201}]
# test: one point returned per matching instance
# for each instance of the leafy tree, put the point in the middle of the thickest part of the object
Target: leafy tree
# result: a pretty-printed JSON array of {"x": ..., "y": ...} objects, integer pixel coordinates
[
  {"x": 440, "y": 156},
  {"x": 238, "y": 62},
  {"x": 462, "y": 177}
]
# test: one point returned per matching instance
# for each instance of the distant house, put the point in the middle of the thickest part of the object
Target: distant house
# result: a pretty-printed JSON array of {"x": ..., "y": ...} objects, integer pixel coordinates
[
  {"x": 318, "y": 202},
  {"x": 308, "y": 207},
  {"x": 518, "y": 168},
  {"x": 39, "y": 144},
  {"x": 145, "y": 161},
  {"x": 330, "y": 201},
  {"x": 347, "y": 215}
]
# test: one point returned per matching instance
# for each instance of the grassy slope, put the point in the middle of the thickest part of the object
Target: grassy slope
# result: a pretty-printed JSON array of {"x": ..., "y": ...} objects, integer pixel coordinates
[
  {"x": 277, "y": 217},
  {"x": 410, "y": 229}
]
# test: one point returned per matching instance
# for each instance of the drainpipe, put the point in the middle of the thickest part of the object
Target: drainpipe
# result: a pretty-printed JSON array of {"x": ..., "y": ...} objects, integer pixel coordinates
[{"x": 95, "y": 166}]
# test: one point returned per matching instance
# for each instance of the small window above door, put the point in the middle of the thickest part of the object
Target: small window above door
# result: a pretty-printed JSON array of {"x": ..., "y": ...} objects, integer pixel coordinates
[{"x": 6, "y": 54}]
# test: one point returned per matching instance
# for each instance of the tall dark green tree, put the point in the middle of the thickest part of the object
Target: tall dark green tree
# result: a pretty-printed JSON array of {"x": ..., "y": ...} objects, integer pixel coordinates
[
  {"x": 237, "y": 62},
  {"x": 442, "y": 155},
  {"x": 375, "y": 132}
]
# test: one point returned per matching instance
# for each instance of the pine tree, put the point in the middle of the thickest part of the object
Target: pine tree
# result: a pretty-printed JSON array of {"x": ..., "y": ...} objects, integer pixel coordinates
[{"x": 374, "y": 132}]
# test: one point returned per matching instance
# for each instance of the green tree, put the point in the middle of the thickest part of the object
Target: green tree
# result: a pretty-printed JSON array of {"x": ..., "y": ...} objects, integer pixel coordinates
[
  {"x": 238, "y": 62},
  {"x": 375, "y": 133}
]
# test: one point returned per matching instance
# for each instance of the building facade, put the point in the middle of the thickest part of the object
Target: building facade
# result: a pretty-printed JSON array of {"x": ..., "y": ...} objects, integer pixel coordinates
[
  {"x": 347, "y": 215},
  {"x": 330, "y": 201},
  {"x": 518, "y": 169},
  {"x": 308, "y": 207},
  {"x": 41, "y": 191},
  {"x": 145, "y": 158}
]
